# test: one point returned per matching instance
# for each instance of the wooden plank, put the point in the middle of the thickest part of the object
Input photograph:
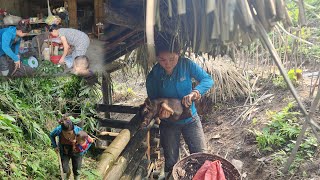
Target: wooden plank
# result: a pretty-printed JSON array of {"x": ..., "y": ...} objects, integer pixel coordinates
[
  {"x": 72, "y": 9},
  {"x": 121, "y": 39},
  {"x": 122, "y": 17},
  {"x": 117, "y": 108},
  {"x": 128, "y": 47},
  {"x": 112, "y": 123},
  {"x": 131, "y": 125}
]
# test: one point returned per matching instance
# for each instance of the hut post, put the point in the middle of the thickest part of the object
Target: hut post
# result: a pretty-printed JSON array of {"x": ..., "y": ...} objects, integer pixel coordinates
[
  {"x": 72, "y": 9},
  {"x": 107, "y": 91}
]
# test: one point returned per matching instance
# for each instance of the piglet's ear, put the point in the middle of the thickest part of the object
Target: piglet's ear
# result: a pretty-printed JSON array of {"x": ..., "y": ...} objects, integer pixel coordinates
[{"x": 147, "y": 101}]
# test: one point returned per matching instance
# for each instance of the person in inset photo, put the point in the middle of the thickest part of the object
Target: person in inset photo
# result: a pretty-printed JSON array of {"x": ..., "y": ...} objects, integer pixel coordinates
[
  {"x": 10, "y": 44},
  {"x": 70, "y": 37}
]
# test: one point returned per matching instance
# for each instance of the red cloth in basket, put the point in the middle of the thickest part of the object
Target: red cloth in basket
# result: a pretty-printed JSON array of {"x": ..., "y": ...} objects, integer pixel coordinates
[{"x": 210, "y": 171}]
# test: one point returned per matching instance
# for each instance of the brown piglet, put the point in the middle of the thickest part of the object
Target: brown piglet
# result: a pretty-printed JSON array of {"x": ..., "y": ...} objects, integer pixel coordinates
[{"x": 151, "y": 109}]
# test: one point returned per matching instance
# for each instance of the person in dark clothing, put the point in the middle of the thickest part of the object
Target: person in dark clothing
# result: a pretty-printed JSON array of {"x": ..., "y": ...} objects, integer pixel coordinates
[{"x": 67, "y": 133}]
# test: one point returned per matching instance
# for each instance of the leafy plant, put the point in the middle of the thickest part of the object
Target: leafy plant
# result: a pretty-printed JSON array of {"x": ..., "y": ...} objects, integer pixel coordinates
[
  {"x": 279, "y": 137},
  {"x": 294, "y": 75}
]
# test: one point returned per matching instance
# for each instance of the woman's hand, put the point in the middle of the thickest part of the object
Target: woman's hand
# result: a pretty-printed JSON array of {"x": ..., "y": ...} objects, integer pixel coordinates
[
  {"x": 187, "y": 100},
  {"x": 56, "y": 149},
  {"x": 61, "y": 61},
  {"x": 165, "y": 111},
  {"x": 164, "y": 114}
]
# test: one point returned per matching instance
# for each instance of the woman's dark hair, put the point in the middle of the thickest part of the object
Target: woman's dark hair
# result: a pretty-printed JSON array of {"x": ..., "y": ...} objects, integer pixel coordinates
[
  {"x": 66, "y": 124},
  {"x": 54, "y": 27},
  {"x": 24, "y": 26},
  {"x": 166, "y": 43},
  {"x": 82, "y": 135}
]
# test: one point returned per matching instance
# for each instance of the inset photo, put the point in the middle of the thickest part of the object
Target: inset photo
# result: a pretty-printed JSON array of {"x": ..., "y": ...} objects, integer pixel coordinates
[{"x": 50, "y": 38}]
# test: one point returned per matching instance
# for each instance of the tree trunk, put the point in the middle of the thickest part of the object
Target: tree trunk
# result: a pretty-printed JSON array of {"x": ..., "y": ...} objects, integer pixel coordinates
[{"x": 113, "y": 151}]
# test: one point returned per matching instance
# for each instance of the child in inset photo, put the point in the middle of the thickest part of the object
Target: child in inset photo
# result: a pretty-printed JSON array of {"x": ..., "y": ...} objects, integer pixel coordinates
[
  {"x": 81, "y": 68},
  {"x": 83, "y": 143}
]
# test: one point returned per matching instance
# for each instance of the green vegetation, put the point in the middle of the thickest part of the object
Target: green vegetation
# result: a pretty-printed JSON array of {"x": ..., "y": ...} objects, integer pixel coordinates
[
  {"x": 29, "y": 110},
  {"x": 279, "y": 136},
  {"x": 294, "y": 75},
  {"x": 47, "y": 68}
]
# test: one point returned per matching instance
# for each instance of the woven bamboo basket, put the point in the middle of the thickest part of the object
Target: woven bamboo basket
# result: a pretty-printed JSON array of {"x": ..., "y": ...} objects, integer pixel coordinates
[{"x": 187, "y": 167}]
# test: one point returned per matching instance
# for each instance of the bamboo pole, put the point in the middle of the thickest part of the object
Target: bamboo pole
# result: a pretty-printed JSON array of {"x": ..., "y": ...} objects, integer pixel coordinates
[
  {"x": 113, "y": 151},
  {"x": 60, "y": 166},
  {"x": 302, "y": 16},
  {"x": 264, "y": 37},
  {"x": 150, "y": 21},
  {"x": 280, "y": 7},
  {"x": 247, "y": 15},
  {"x": 169, "y": 8},
  {"x": 302, "y": 132},
  {"x": 116, "y": 171},
  {"x": 106, "y": 133}
]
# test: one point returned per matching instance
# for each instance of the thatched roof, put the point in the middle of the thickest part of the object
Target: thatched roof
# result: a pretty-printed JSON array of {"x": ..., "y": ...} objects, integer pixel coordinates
[{"x": 208, "y": 26}]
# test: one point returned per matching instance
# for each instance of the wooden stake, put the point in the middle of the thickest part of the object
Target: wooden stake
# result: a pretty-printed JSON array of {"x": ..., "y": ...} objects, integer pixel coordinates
[
  {"x": 148, "y": 145},
  {"x": 60, "y": 165}
]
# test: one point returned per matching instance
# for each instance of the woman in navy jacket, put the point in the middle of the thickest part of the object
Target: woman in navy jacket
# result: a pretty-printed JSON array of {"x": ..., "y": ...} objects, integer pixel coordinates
[
  {"x": 172, "y": 77},
  {"x": 9, "y": 45}
]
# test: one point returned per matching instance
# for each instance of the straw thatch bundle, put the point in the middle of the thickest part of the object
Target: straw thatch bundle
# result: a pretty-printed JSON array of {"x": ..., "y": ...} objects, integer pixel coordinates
[{"x": 229, "y": 83}]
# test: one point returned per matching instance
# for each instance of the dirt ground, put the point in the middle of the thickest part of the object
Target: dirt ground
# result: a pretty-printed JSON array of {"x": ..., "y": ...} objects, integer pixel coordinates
[{"x": 236, "y": 141}]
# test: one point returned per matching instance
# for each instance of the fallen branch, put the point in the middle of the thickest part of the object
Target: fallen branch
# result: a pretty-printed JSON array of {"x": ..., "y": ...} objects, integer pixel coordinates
[
  {"x": 293, "y": 36},
  {"x": 252, "y": 108}
]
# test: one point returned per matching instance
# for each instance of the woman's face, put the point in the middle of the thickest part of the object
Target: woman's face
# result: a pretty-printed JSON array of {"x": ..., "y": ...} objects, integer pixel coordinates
[
  {"x": 54, "y": 33},
  {"x": 68, "y": 134},
  {"x": 168, "y": 61},
  {"x": 79, "y": 140}
]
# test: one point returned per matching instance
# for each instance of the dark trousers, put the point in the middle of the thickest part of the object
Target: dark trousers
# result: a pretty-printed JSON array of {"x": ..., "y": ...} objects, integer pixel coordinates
[
  {"x": 4, "y": 63},
  {"x": 192, "y": 133},
  {"x": 76, "y": 163}
]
